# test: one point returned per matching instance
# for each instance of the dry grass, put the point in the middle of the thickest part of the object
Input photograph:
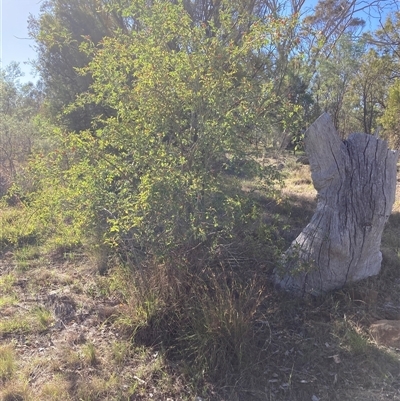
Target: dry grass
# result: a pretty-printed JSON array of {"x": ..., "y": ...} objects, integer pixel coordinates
[{"x": 219, "y": 333}]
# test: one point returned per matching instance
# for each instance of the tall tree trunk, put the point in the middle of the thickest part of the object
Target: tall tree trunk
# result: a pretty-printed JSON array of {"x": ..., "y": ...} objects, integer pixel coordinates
[{"x": 356, "y": 183}]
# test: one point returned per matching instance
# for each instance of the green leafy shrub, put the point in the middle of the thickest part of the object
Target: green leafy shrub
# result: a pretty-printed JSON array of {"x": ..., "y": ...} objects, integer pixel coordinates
[{"x": 151, "y": 177}]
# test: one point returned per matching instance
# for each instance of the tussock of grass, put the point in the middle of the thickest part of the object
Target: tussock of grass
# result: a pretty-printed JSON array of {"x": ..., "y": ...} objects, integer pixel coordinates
[
  {"x": 7, "y": 361},
  {"x": 90, "y": 354},
  {"x": 43, "y": 317},
  {"x": 6, "y": 283},
  {"x": 31, "y": 321},
  {"x": 15, "y": 392},
  {"x": 8, "y": 300},
  {"x": 56, "y": 390},
  {"x": 120, "y": 350},
  {"x": 94, "y": 388},
  {"x": 204, "y": 321},
  {"x": 14, "y": 325},
  {"x": 70, "y": 359}
]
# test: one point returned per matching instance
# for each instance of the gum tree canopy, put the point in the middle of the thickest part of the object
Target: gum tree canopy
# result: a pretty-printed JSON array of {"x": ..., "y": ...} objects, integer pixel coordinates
[{"x": 356, "y": 182}]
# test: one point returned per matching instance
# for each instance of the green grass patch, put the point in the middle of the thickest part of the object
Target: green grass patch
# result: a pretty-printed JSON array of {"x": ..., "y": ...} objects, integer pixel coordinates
[
  {"x": 16, "y": 324},
  {"x": 7, "y": 362},
  {"x": 33, "y": 321},
  {"x": 8, "y": 300},
  {"x": 27, "y": 257},
  {"x": 56, "y": 389},
  {"x": 121, "y": 350},
  {"x": 42, "y": 317},
  {"x": 6, "y": 283},
  {"x": 89, "y": 353}
]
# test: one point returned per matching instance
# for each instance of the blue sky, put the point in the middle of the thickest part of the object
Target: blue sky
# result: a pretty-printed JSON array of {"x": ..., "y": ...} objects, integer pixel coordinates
[{"x": 14, "y": 42}]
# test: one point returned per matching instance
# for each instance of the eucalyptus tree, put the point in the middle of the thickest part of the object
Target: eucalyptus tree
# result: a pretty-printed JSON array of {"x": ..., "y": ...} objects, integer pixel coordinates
[
  {"x": 390, "y": 119},
  {"x": 19, "y": 104},
  {"x": 59, "y": 30},
  {"x": 369, "y": 89},
  {"x": 387, "y": 41},
  {"x": 333, "y": 81}
]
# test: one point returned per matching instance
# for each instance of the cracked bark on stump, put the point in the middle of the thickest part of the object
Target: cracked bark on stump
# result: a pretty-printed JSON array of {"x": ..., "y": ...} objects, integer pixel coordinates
[{"x": 356, "y": 183}]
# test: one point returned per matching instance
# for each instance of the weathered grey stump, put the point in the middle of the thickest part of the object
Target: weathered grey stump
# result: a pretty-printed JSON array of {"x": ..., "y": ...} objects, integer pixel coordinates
[{"x": 356, "y": 184}]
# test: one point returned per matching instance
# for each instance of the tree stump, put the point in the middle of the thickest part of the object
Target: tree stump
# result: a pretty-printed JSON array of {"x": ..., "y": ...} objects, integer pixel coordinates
[{"x": 356, "y": 183}]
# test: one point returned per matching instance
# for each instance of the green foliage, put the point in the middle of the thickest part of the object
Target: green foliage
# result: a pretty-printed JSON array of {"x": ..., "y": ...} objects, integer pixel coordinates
[
  {"x": 58, "y": 31},
  {"x": 369, "y": 90},
  {"x": 330, "y": 20},
  {"x": 334, "y": 79},
  {"x": 18, "y": 134},
  {"x": 16, "y": 227},
  {"x": 152, "y": 178},
  {"x": 391, "y": 117}
]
